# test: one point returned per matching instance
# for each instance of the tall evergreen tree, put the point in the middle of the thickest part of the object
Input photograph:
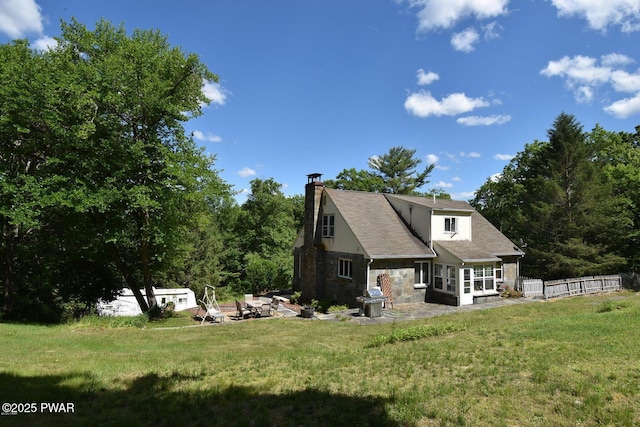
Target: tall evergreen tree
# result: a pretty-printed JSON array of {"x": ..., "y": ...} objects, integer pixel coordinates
[
  {"x": 393, "y": 172},
  {"x": 555, "y": 197}
]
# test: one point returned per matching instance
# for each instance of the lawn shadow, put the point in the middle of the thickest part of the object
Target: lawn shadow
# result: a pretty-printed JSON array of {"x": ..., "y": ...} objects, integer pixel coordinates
[{"x": 153, "y": 400}]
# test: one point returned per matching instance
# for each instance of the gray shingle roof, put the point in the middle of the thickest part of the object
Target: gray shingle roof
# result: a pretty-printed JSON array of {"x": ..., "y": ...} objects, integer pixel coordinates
[
  {"x": 484, "y": 236},
  {"x": 377, "y": 226},
  {"x": 465, "y": 251},
  {"x": 383, "y": 234}
]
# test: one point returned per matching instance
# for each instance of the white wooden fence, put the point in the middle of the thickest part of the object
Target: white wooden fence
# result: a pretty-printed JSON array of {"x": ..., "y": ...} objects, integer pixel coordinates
[{"x": 568, "y": 287}]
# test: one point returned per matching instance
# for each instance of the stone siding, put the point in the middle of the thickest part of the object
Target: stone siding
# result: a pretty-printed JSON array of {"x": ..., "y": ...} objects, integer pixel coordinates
[
  {"x": 402, "y": 275},
  {"x": 341, "y": 290}
]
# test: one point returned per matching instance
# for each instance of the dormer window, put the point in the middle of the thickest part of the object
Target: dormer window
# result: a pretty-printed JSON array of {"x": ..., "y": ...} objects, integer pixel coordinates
[
  {"x": 450, "y": 225},
  {"x": 328, "y": 225}
]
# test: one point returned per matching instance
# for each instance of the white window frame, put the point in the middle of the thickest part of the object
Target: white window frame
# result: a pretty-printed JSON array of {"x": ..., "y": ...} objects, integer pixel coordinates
[
  {"x": 484, "y": 279},
  {"x": 450, "y": 225},
  {"x": 467, "y": 280},
  {"x": 452, "y": 279},
  {"x": 438, "y": 279},
  {"x": 345, "y": 268},
  {"x": 498, "y": 273},
  {"x": 422, "y": 272},
  {"x": 328, "y": 225}
]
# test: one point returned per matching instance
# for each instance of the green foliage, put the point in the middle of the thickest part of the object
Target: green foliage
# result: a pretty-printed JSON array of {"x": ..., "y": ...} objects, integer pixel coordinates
[
  {"x": 351, "y": 179},
  {"x": 337, "y": 308},
  {"x": 101, "y": 187},
  {"x": 295, "y": 297},
  {"x": 110, "y": 322},
  {"x": 266, "y": 228},
  {"x": 556, "y": 198},
  {"x": 393, "y": 172},
  {"x": 508, "y": 292},
  {"x": 397, "y": 169},
  {"x": 321, "y": 306},
  {"x": 415, "y": 333}
]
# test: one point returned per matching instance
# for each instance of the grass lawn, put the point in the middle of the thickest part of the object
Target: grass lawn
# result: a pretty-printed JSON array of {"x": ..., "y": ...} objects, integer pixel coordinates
[{"x": 571, "y": 362}]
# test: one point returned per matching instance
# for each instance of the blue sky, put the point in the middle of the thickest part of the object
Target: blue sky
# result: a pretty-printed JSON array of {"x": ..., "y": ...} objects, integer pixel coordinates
[{"x": 322, "y": 85}]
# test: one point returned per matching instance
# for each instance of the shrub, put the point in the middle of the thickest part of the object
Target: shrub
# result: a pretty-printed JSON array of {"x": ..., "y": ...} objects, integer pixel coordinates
[
  {"x": 295, "y": 297},
  {"x": 322, "y": 305},
  {"x": 511, "y": 293},
  {"x": 415, "y": 333},
  {"x": 337, "y": 308}
]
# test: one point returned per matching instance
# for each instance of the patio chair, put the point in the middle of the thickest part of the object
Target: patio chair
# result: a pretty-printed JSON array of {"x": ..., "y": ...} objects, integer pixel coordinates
[
  {"x": 210, "y": 305},
  {"x": 275, "y": 303},
  {"x": 241, "y": 311},
  {"x": 265, "y": 311}
]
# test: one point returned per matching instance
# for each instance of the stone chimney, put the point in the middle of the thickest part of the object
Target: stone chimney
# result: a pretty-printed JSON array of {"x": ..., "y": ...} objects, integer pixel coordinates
[
  {"x": 312, "y": 200},
  {"x": 312, "y": 274}
]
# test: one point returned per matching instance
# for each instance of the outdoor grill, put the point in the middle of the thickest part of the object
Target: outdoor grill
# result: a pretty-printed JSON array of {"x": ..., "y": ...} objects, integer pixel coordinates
[{"x": 371, "y": 302}]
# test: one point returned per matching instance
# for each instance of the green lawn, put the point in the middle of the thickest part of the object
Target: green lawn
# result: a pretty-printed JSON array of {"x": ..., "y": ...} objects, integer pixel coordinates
[{"x": 567, "y": 362}]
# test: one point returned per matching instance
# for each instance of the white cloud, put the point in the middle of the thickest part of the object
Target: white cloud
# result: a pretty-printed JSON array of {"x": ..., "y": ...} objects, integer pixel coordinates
[
  {"x": 432, "y": 158},
  {"x": 614, "y": 59},
  {"x": 583, "y": 75},
  {"x": 484, "y": 120},
  {"x": 208, "y": 137},
  {"x": 578, "y": 69},
  {"x": 465, "y": 195},
  {"x": 495, "y": 177},
  {"x": 465, "y": 41},
  {"x": 215, "y": 92},
  {"x": 583, "y": 94},
  {"x": 456, "y": 179},
  {"x": 624, "y": 107},
  {"x": 491, "y": 30},
  {"x": 473, "y": 154},
  {"x": 623, "y": 81},
  {"x": 442, "y": 184},
  {"x": 423, "y": 104},
  {"x": 426, "y": 78},
  {"x": 600, "y": 14},
  {"x": 44, "y": 43},
  {"x": 246, "y": 172},
  {"x": 504, "y": 156},
  {"x": 442, "y": 14},
  {"x": 19, "y": 17}
]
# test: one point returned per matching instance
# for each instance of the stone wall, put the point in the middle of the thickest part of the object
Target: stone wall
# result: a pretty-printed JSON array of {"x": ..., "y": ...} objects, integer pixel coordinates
[
  {"x": 402, "y": 275},
  {"x": 339, "y": 289}
]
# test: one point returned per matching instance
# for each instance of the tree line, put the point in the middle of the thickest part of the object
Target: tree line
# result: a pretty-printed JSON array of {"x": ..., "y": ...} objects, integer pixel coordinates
[
  {"x": 101, "y": 187},
  {"x": 572, "y": 202}
]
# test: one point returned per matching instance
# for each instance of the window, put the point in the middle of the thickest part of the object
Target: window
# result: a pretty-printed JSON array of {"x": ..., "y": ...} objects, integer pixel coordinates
[
  {"x": 498, "y": 273},
  {"x": 437, "y": 273},
  {"x": 182, "y": 300},
  {"x": 328, "y": 225},
  {"x": 421, "y": 273},
  {"x": 451, "y": 278},
  {"x": 466, "y": 282},
  {"x": 450, "y": 225},
  {"x": 344, "y": 268},
  {"x": 483, "y": 278}
]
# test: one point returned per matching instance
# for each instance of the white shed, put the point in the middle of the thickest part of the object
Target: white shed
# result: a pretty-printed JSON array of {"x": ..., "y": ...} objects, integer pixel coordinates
[{"x": 126, "y": 305}]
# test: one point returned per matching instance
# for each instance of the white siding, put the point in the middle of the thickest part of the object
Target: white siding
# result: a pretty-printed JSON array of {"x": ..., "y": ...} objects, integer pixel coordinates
[
  {"x": 463, "y": 226},
  {"x": 344, "y": 240}
]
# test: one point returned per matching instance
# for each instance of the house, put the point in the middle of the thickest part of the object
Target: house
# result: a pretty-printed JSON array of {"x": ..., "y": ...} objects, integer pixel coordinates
[
  {"x": 430, "y": 250},
  {"x": 126, "y": 304}
]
